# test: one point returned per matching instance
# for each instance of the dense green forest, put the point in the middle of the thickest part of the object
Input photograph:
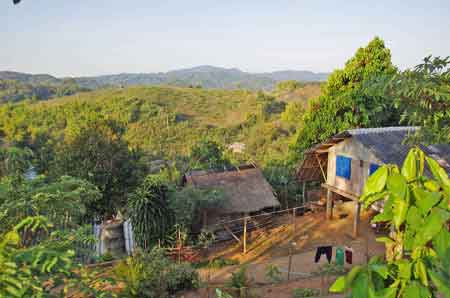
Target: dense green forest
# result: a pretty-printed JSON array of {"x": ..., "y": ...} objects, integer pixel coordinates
[
  {"x": 16, "y": 90},
  {"x": 125, "y": 149}
]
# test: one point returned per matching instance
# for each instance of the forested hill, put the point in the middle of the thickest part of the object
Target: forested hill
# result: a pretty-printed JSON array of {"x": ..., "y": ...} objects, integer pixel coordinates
[
  {"x": 204, "y": 76},
  {"x": 162, "y": 121}
]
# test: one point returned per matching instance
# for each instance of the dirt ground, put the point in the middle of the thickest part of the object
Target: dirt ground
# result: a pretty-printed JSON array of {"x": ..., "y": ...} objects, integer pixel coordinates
[{"x": 272, "y": 247}]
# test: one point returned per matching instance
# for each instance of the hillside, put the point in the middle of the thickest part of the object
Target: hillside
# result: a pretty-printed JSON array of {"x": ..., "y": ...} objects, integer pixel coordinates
[
  {"x": 35, "y": 88},
  {"x": 204, "y": 76},
  {"x": 163, "y": 121}
]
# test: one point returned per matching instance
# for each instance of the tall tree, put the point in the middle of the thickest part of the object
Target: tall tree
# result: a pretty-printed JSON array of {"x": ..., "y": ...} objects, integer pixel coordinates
[
  {"x": 96, "y": 151},
  {"x": 351, "y": 98},
  {"x": 208, "y": 154},
  {"x": 423, "y": 94}
]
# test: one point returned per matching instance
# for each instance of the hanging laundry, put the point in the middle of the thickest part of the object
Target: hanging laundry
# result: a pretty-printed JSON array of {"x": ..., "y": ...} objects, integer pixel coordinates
[
  {"x": 340, "y": 256},
  {"x": 348, "y": 255},
  {"x": 324, "y": 250}
]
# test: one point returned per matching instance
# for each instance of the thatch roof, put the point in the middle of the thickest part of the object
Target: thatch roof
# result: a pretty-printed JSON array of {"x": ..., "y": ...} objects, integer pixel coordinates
[
  {"x": 386, "y": 143},
  {"x": 245, "y": 188}
]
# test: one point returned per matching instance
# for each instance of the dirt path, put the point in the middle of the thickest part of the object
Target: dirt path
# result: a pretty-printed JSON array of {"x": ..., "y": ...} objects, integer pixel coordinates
[{"x": 272, "y": 247}]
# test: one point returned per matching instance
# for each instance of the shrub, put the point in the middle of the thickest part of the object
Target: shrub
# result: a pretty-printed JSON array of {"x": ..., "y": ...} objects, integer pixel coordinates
[
  {"x": 304, "y": 292},
  {"x": 106, "y": 257},
  {"x": 273, "y": 273},
  {"x": 239, "y": 279},
  {"x": 152, "y": 275},
  {"x": 181, "y": 277}
]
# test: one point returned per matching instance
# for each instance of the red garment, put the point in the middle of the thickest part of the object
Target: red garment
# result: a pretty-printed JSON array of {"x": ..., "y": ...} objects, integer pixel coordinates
[{"x": 348, "y": 255}]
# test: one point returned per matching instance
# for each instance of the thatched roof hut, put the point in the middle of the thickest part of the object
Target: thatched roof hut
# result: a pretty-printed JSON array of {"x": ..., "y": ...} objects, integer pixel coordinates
[{"x": 245, "y": 188}]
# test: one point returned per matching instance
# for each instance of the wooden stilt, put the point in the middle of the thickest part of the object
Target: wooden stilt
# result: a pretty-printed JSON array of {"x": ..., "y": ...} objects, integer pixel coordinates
[
  {"x": 303, "y": 193},
  {"x": 356, "y": 219},
  {"x": 329, "y": 204},
  {"x": 245, "y": 235}
]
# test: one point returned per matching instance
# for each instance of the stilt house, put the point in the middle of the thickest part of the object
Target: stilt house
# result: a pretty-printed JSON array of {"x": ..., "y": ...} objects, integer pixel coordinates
[{"x": 345, "y": 161}]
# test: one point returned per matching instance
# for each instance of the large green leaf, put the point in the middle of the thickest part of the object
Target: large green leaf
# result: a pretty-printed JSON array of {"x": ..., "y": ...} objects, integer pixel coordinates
[
  {"x": 416, "y": 290},
  {"x": 431, "y": 185},
  {"x": 404, "y": 269},
  {"x": 409, "y": 169},
  {"x": 400, "y": 210},
  {"x": 396, "y": 184},
  {"x": 441, "y": 282},
  {"x": 414, "y": 218},
  {"x": 381, "y": 269},
  {"x": 360, "y": 285},
  {"x": 387, "y": 293},
  {"x": 441, "y": 243},
  {"x": 372, "y": 198},
  {"x": 433, "y": 225},
  {"x": 426, "y": 200},
  {"x": 420, "y": 272},
  {"x": 376, "y": 182},
  {"x": 382, "y": 217},
  {"x": 440, "y": 174},
  {"x": 339, "y": 285}
]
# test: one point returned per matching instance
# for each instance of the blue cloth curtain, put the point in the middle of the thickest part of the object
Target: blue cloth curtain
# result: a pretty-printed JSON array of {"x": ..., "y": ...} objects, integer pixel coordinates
[{"x": 343, "y": 167}]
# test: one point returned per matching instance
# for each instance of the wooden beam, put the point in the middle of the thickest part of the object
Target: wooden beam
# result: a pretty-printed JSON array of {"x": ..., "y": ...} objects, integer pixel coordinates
[
  {"x": 341, "y": 192},
  {"x": 329, "y": 204},
  {"x": 321, "y": 168},
  {"x": 231, "y": 233}
]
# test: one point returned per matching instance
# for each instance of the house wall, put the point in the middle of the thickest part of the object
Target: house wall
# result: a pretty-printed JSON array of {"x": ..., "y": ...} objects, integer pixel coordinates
[{"x": 361, "y": 160}]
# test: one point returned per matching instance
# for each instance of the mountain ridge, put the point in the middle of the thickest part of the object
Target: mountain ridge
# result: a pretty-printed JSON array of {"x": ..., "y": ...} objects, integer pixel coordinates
[{"x": 206, "y": 76}]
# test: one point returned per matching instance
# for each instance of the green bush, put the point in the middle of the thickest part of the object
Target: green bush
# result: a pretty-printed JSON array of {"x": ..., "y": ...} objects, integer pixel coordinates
[
  {"x": 106, "y": 257},
  {"x": 304, "y": 292},
  {"x": 181, "y": 277},
  {"x": 153, "y": 275},
  {"x": 239, "y": 279},
  {"x": 217, "y": 263},
  {"x": 273, "y": 273}
]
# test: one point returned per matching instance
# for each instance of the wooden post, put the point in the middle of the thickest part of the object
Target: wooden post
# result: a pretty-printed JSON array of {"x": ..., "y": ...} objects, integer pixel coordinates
[
  {"x": 245, "y": 235},
  {"x": 303, "y": 193},
  {"x": 179, "y": 246},
  {"x": 293, "y": 221},
  {"x": 356, "y": 219},
  {"x": 329, "y": 204},
  {"x": 290, "y": 262}
]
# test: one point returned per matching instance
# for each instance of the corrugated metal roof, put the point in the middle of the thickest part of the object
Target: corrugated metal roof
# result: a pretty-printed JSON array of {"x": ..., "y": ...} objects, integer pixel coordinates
[{"x": 386, "y": 143}]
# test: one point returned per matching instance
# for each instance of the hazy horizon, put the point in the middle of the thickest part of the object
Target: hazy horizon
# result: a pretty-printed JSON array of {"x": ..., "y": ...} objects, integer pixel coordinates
[{"x": 86, "y": 38}]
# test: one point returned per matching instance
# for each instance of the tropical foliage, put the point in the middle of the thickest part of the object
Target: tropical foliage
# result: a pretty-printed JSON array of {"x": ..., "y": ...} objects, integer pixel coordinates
[
  {"x": 152, "y": 275},
  {"x": 349, "y": 99},
  {"x": 149, "y": 211},
  {"x": 418, "y": 248},
  {"x": 423, "y": 94}
]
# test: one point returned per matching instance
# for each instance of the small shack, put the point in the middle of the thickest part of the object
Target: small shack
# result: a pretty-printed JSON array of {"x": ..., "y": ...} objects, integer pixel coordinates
[
  {"x": 345, "y": 161},
  {"x": 246, "y": 190}
]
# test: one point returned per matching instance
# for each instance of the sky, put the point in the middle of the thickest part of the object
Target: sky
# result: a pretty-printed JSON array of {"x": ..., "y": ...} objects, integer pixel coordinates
[{"x": 94, "y": 37}]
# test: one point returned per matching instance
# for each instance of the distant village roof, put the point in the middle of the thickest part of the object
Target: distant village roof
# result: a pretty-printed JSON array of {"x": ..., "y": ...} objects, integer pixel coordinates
[
  {"x": 245, "y": 188},
  {"x": 386, "y": 143}
]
